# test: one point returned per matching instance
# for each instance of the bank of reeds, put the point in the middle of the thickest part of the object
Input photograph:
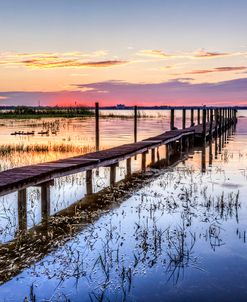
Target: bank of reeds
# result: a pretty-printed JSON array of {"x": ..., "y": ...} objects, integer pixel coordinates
[{"x": 42, "y": 148}]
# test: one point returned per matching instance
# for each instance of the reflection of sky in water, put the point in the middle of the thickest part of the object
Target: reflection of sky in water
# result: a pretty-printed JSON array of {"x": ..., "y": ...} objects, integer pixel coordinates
[
  {"x": 78, "y": 135},
  {"x": 180, "y": 238}
]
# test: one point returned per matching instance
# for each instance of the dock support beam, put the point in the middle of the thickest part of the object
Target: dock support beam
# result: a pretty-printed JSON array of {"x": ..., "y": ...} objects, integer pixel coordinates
[
  {"x": 22, "y": 209},
  {"x": 97, "y": 126}
]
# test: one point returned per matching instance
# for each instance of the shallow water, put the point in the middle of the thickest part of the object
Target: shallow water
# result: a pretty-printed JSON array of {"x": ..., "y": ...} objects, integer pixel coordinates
[{"x": 181, "y": 237}]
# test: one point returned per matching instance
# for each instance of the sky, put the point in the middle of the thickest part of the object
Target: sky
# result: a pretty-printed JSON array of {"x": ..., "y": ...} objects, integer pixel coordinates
[{"x": 133, "y": 52}]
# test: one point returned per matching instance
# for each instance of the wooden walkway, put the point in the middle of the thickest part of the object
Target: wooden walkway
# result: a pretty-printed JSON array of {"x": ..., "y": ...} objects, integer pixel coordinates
[{"x": 19, "y": 178}]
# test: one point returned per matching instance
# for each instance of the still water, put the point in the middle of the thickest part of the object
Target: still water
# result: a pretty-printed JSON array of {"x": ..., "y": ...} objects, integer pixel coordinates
[
  {"x": 60, "y": 138},
  {"x": 180, "y": 236}
]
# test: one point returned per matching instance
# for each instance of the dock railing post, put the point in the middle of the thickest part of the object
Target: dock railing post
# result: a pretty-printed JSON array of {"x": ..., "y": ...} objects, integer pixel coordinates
[
  {"x": 97, "y": 126},
  {"x": 198, "y": 116},
  {"x": 135, "y": 124},
  {"x": 172, "y": 119},
  {"x": 184, "y": 118},
  {"x": 192, "y": 117}
]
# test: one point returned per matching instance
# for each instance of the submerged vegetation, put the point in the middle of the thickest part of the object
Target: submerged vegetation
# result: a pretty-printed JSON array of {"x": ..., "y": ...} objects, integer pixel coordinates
[{"x": 24, "y": 112}]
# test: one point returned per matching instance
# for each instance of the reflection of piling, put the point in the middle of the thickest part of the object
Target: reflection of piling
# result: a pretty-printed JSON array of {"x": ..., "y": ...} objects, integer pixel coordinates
[
  {"x": 89, "y": 182},
  {"x": 210, "y": 153},
  {"x": 203, "y": 163},
  {"x": 184, "y": 119},
  {"x": 135, "y": 124},
  {"x": 45, "y": 201},
  {"x": 192, "y": 117},
  {"x": 172, "y": 119},
  {"x": 22, "y": 209},
  {"x": 97, "y": 126}
]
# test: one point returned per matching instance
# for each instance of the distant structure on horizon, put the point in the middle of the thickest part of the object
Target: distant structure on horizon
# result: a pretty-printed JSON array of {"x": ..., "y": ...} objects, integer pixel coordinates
[{"x": 120, "y": 106}]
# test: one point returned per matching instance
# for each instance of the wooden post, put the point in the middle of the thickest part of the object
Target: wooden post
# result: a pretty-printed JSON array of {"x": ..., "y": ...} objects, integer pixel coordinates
[
  {"x": 172, "y": 119},
  {"x": 152, "y": 156},
  {"x": 135, "y": 124},
  {"x": 144, "y": 161},
  {"x": 167, "y": 154},
  {"x": 128, "y": 167},
  {"x": 211, "y": 124},
  {"x": 184, "y": 119},
  {"x": 97, "y": 125},
  {"x": 158, "y": 155},
  {"x": 208, "y": 116},
  {"x": 45, "y": 201},
  {"x": 198, "y": 116},
  {"x": 192, "y": 117},
  {"x": 112, "y": 174},
  {"x": 22, "y": 209},
  {"x": 216, "y": 118},
  {"x": 204, "y": 122},
  {"x": 89, "y": 182}
]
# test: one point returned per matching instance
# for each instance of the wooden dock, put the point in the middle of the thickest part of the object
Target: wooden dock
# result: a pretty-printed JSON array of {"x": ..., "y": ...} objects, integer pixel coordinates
[{"x": 213, "y": 122}]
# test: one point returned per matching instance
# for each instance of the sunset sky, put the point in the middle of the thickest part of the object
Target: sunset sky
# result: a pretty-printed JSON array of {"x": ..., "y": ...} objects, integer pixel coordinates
[{"x": 143, "y": 52}]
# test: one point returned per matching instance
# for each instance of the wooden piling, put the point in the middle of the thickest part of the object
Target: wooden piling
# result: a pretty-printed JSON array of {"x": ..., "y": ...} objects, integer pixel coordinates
[
  {"x": 113, "y": 174},
  {"x": 192, "y": 117},
  {"x": 128, "y": 167},
  {"x": 97, "y": 126},
  {"x": 198, "y": 116},
  {"x": 152, "y": 156},
  {"x": 22, "y": 209},
  {"x": 204, "y": 122},
  {"x": 184, "y": 118},
  {"x": 172, "y": 119},
  {"x": 135, "y": 124},
  {"x": 143, "y": 161}
]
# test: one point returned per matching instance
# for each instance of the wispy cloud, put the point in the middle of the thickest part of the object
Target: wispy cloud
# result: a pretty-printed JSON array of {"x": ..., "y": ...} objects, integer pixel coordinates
[
  {"x": 217, "y": 69},
  {"x": 198, "y": 54},
  {"x": 59, "y": 60},
  {"x": 51, "y": 63}
]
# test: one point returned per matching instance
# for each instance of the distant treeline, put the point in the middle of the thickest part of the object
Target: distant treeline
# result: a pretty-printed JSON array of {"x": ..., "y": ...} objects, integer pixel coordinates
[{"x": 36, "y": 112}]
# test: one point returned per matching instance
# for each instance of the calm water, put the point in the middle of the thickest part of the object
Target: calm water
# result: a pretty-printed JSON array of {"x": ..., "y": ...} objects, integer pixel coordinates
[
  {"x": 70, "y": 137},
  {"x": 180, "y": 237}
]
